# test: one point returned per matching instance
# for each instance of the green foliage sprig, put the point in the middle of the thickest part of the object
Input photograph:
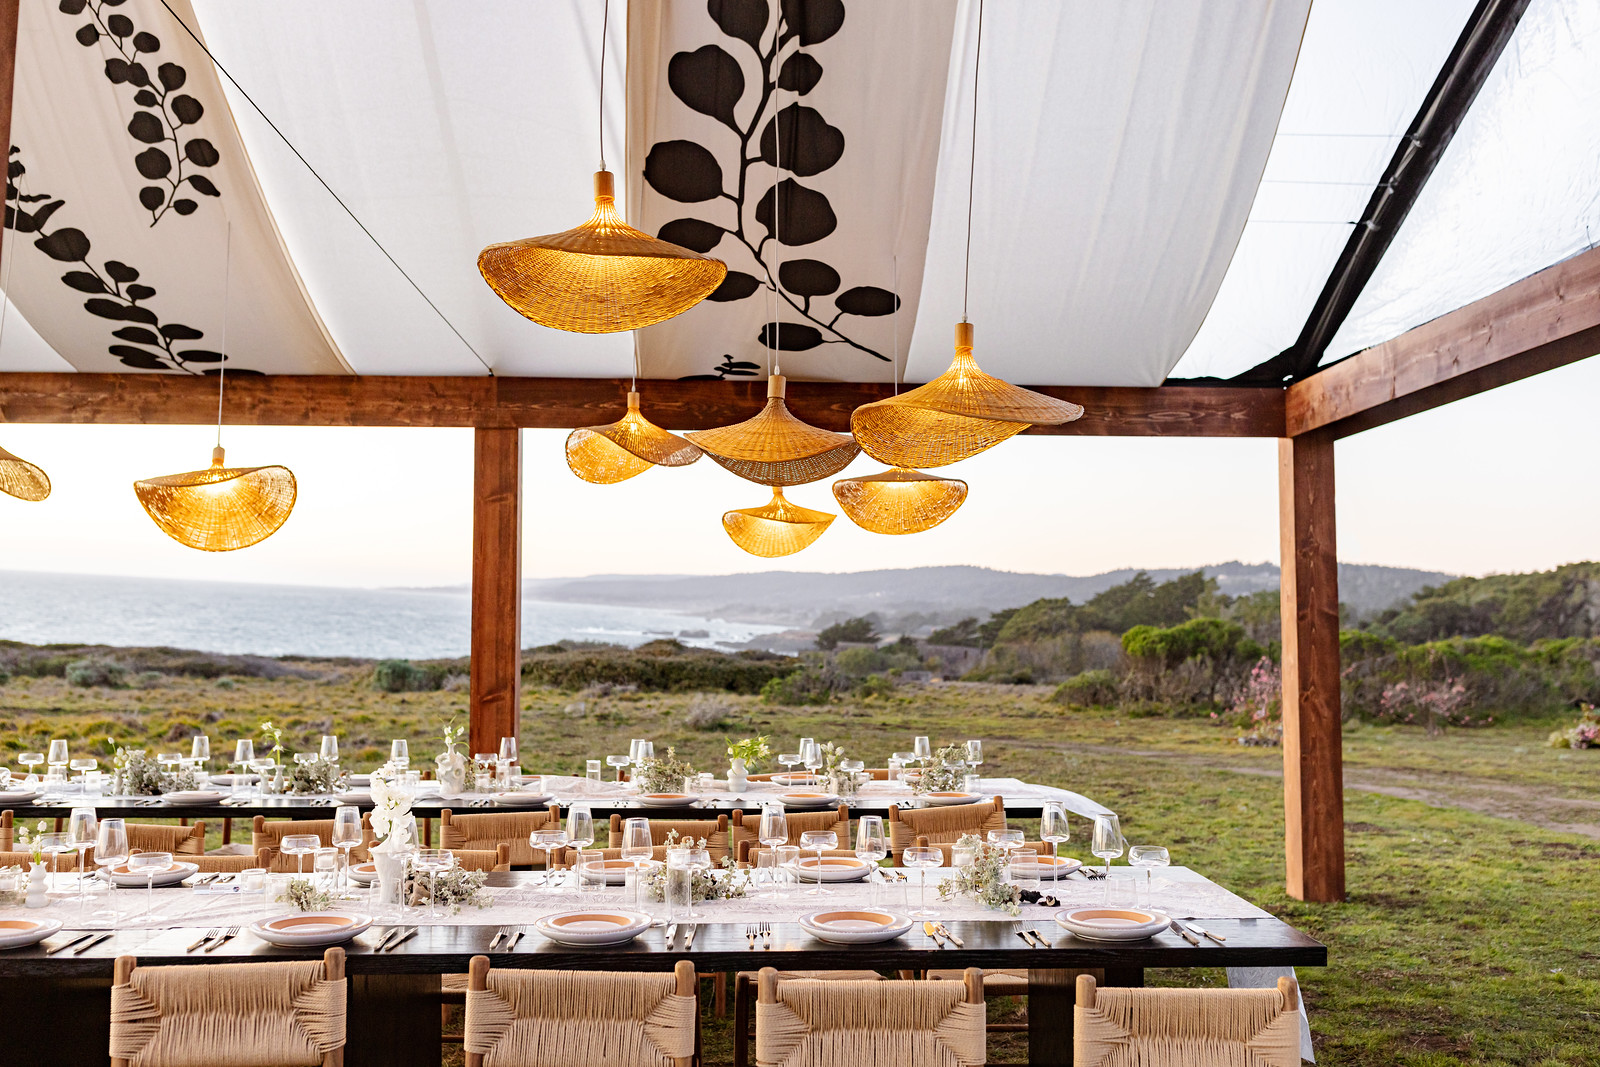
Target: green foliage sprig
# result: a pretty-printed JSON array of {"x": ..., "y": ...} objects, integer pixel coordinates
[
  {"x": 944, "y": 772},
  {"x": 753, "y": 750},
  {"x": 984, "y": 879},
  {"x": 703, "y": 885},
  {"x": 302, "y": 894},
  {"x": 664, "y": 774},
  {"x": 452, "y": 889}
]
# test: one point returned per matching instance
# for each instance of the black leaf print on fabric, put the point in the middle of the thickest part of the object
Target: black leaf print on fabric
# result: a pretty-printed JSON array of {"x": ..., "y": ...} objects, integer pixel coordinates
[
  {"x": 710, "y": 81},
  {"x": 728, "y": 368},
  {"x": 117, "y": 293},
  {"x": 165, "y": 161}
]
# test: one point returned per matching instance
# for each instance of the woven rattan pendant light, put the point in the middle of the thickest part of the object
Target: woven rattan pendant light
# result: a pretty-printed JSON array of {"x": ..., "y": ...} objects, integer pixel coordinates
[
  {"x": 619, "y": 450},
  {"x": 778, "y": 528},
  {"x": 22, "y": 479},
  {"x": 774, "y": 447},
  {"x": 221, "y": 508},
  {"x": 963, "y": 411},
  {"x": 603, "y": 276}
]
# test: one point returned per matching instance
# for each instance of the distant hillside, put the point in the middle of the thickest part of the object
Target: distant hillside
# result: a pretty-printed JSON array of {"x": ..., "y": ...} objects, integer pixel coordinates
[{"x": 930, "y": 595}]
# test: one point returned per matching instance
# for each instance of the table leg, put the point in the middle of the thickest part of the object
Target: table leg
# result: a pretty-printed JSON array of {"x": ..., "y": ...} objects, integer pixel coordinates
[
  {"x": 1126, "y": 977},
  {"x": 1051, "y": 996},
  {"x": 393, "y": 1021},
  {"x": 35, "y": 1010}
]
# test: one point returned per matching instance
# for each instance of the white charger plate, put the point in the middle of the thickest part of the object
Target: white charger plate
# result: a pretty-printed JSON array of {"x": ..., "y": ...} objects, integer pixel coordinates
[
  {"x": 363, "y": 873},
  {"x": 1051, "y": 867},
  {"x": 235, "y": 779},
  {"x": 601, "y": 926},
  {"x": 808, "y": 798},
  {"x": 855, "y": 926},
  {"x": 362, "y": 797},
  {"x": 19, "y": 933},
  {"x": 1112, "y": 924},
  {"x": 667, "y": 800},
  {"x": 193, "y": 796},
  {"x": 18, "y": 796},
  {"x": 939, "y": 799},
  {"x": 360, "y": 779},
  {"x": 616, "y": 872},
  {"x": 126, "y": 879},
  {"x": 834, "y": 868},
  {"x": 791, "y": 779},
  {"x": 522, "y": 800},
  {"x": 310, "y": 928}
]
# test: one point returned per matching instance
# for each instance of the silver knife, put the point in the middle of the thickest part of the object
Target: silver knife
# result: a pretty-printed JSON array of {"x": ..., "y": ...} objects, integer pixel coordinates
[
  {"x": 87, "y": 945},
  {"x": 1186, "y": 935},
  {"x": 496, "y": 939},
  {"x": 511, "y": 942},
  {"x": 384, "y": 937},
  {"x": 1027, "y": 938},
  {"x": 672, "y": 932},
  {"x": 688, "y": 940},
  {"x": 68, "y": 944},
  {"x": 412, "y": 932},
  {"x": 1193, "y": 929},
  {"x": 945, "y": 930}
]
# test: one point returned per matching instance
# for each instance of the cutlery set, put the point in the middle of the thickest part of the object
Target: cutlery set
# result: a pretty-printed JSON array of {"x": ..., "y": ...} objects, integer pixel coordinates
[
  {"x": 1033, "y": 938},
  {"x": 84, "y": 943},
  {"x": 759, "y": 930},
  {"x": 1193, "y": 933},
  {"x": 688, "y": 937},
  {"x": 216, "y": 936},
  {"x": 396, "y": 936},
  {"x": 941, "y": 933},
  {"x": 511, "y": 938}
]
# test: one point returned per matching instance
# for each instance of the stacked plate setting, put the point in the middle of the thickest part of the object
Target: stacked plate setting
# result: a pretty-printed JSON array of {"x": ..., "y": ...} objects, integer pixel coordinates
[
  {"x": 193, "y": 796},
  {"x": 854, "y": 927},
  {"x": 616, "y": 872},
  {"x": 128, "y": 879},
  {"x": 1051, "y": 867},
  {"x": 807, "y": 799},
  {"x": 17, "y": 796},
  {"x": 940, "y": 798},
  {"x": 1112, "y": 924},
  {"x": 523, "y": 800},
  {"x": 604, "y": 927},
  {"x": 832, "y": 869},
  {"x": 667, "y": 800},
  {"x": 310, "y": 929},
  {"x": 19, "y": 933}
]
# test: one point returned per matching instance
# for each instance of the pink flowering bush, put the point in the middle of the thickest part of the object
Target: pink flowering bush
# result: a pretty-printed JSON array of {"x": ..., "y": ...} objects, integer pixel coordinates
[
  {"x": 1586, "y": 734},
  {"x": 1258, "y": 704},
  {"x": 1433, "y": 704}
]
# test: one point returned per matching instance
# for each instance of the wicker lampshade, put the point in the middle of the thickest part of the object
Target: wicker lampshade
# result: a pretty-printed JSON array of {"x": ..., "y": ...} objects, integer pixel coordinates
[
  {"x": 22, "y": 479},
  {"x": 777, "y": 528},
  {"x": 601, "y": 277},
  {"x": 955, "y": 416},
  {"x": 774, "y": 447},
  {"x": 221, "y": 508},
  {"x": 619, "y": 450},
  {"x": 899, "y": 501}
]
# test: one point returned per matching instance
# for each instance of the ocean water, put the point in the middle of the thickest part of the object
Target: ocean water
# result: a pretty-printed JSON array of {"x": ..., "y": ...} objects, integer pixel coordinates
[{"x": 277, "y": 620}]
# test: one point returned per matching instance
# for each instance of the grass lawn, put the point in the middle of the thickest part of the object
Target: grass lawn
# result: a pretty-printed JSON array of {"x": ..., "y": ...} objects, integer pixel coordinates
[{"x": 1468, "y": 937}]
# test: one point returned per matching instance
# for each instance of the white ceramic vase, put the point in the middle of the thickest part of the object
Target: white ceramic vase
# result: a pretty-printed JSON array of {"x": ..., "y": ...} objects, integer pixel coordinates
[
  {"x": 738, "y": 776},
  {"x": 37, "y": 898},
  {"x": 452, "y": 772},
  {"x": 391, "y": 874}
]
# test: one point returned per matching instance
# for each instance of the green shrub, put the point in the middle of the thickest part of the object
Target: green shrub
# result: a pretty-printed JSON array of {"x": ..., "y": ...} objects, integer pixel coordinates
[
  {"x": 876, "y": 685},
  {"x": 660, "y": 666},
  {"x": 88, "y": 673},
  {"x": 1097, "y": 688},
  {"x": 811, "y": 684},
  {"x": 852, "y": 631},
  {"x": 403, "y": 676}
]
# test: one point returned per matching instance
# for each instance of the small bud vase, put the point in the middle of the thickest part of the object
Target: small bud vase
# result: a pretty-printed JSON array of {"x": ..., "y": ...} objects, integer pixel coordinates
[
  {"x": 738, "y": 775},
  {"x": 37, "y": 898}
]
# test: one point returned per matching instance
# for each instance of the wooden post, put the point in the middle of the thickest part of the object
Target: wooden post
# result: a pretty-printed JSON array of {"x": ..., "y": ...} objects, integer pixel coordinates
[
  {"x": 8, "y": 71},
  {"x": 1313, "y": 776},
  {"x": 496, "y": 586}
]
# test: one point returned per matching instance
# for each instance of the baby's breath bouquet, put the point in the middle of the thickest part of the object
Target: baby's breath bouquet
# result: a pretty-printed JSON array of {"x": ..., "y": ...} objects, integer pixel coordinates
[
  {"x": 135, "y": 773},
  {"x": 663, "y": 774},
  {"x": 844, "y": 782},
  {"x": 451, "y": 888},
  {"x": 303, "y": 894},
  {"x": 313, "y": 777},
  {"x": 984, "y": 879},
  {"x": 702, "y": 885},
  {"x": 944, "y": 772}
]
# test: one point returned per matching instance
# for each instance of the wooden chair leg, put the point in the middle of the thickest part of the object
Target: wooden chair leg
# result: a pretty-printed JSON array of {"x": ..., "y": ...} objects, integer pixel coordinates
[
  {"x": 719, "y": 994},
  {"x": 743, "y": 995},
  {"x": 227, "y": 831}
]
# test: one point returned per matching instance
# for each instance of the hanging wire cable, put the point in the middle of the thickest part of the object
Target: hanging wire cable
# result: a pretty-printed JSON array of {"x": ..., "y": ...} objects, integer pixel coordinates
[
  {"x": 605, "y": 24},
  {"x": 972, "y": 165},
  {"x": 896, "y": 325},
  {"x": 323, "y": 182},
  {"x": 227, "y": 284}
]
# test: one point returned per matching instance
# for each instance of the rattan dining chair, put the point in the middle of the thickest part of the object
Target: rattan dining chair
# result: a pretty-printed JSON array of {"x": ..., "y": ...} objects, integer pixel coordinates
[
  {"x": 1186, "y": 1027},
  {"x": 744, "y": 998},
  {"x": 185, "y": 841},
  {"x": 745, "y": 827},
  {"x": 909, "y": 1024},
  {"x": 715, "y": 832},
  {"x": 491, "y": 829},
  {"x": 942, "y": 826},
  {"x": 580, "y": 1017},
  {"x": 267, "y": 836},
  {"x": 289, "y": 1014}
]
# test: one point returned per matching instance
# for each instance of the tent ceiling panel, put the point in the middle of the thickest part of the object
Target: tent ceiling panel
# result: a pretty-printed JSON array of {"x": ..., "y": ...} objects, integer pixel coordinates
[
  {"x": 126, "y": 177},
  {"x": 1364, "y": 69},
  {"x": 1517, "y": 190}
]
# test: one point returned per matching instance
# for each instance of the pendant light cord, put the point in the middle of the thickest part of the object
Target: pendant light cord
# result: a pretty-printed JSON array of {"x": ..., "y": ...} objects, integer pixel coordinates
[
  {"x": 972, "y": 165},
  {"x": 896, "y": 325},
  {"x": 227, "y": 286},
  {"x": 605, "y": 24}
]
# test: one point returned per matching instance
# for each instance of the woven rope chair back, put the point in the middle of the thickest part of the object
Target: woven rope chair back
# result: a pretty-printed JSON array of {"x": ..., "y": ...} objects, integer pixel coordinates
[
  {"x": 179, "y": 840},
  {"x": 268, "y": 835},
  {"x": 229, "y": 1015},
  {"x": 65, "y": 862},
  {"x": 806, "y": 1023},
  {"x": 942, "y": 826},
  {"x": 481, "y": 859},
  {"x": 715, "y": 832},
  {"x": 492, "y": 829},
  {"x": 549, "y": 1018},
  {"x": 1186, "y": 1027},
  {"x": 798, "y": 822}
]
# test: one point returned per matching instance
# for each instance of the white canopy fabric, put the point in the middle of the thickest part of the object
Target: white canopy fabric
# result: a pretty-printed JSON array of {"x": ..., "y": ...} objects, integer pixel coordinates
[{"x": 1146, "y": 202}]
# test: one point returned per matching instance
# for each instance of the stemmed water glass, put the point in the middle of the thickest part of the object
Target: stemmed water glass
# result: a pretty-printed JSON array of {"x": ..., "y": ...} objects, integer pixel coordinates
[
  {"x": 329, "y": 748},
  {"x": 790, "y": 761},
  {"x": 548, "y": 841},
  {"x": 200, "y": 750},
  {"x": 1053, "y": 827},
  {"x": 508, "y": 753},
  {"x": 82, "y": 827},
  {"x": 924, "y": 858},
  {"x": 618, "y": 762},
  {"x": 1149, "y": 857},
  {"x": 817, "y": 840},
  {"x": 872, "y": 845},
  {"x": 31, "y": 760},
  {"x": 301, "y": 845},
  {"x": 637, "y": 847},
  {"x": 433, "y": 860},
  {"x": 922, "y": 751},
  {"x": 346, "y": 835},
  {"x": 580, "y": 835},
  {"x": 57, "y": 759},
  {"x": 1107, "y": 841},
  {"x": 149, "y": 863},
  {"x": 83, "y": 765},
  {"x": 905, "y": 760},
  {"x": 974, "y": 753},
  {"x": 55, "y": 844},
  {"x": 110, "y": 849},
  {"x": 773, "y": 831}
]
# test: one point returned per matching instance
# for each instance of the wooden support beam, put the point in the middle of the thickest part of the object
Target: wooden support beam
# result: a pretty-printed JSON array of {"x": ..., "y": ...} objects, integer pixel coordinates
[
  {"x": 496, "y": 587},
  {"x": 8, "y": 73},
  {"x": 1544, "y": 321},
  {"x": 564, "y": 403},
  {"x": 1313, "y": 776}
]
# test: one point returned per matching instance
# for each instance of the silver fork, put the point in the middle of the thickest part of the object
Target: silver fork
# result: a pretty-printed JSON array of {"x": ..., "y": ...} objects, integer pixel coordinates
[
  {"x": 766, "y": 934},
  {"x": 750, "y": 936},
  {"x": 210, "y": 934},
  {"x": 231, "y": 933}
]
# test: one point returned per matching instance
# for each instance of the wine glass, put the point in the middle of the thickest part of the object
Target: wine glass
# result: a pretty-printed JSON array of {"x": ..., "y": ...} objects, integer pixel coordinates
[
  {"x": 301, "y": 845},
  {"x": 1107, "y": 841},
  {"x": 548, "y": 841},
  {"x": 811, "y": 757},
  {"x": 200, "y": 749},
  {"x": 924, "y": 858},
  {"x": 83, "y": 825},
  {"x": 637, "y": 847},
  {"x": 647, "y": 750},
  {"x": 805, "y": 743},
  {"x": 149, "y": 863},
  {"x": 31, "y": 760},
  {"x": 1149, "y": 857},
  {"x": 695, "y": 859},
  {"x": 580, "y": 833},
  {"x": 773, "y": 831},
  {"x": 974, "y": 753},
  {"x": 1006, "y": 840},
  {"x": 922, "y": 750},
  {"x": 244, "y": 751},
  {"x": 400, "y": 754},
  {"x": 508, "y": 750},
  {"x": 904, "y": 759},
  {"x": 347, "y": 834},
  {"x": 872, "y": 845},
  {"x": 633, "y": 748},
  {"x": 1053, "y": 827},
  {"x": 55, "y": 844},
  {"x": 57, "y": 759},
  {"x": 433, "y": 860},
  {"x": 110, "y": 849},
  {"x": 790, "y": 761},
  {"x": 618, "y": 762},
  {"x": 83, "y": 765},
  {"x": 817, "y": 840},
  {"x": 329, "y": 748}
]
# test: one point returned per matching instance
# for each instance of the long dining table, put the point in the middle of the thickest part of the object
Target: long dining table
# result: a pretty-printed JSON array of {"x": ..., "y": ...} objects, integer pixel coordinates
[{"x": 393, "y": 997}]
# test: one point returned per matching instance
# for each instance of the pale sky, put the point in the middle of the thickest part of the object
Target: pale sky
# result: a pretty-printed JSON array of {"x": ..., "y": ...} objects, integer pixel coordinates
[{"x": 1501, "y": 482}]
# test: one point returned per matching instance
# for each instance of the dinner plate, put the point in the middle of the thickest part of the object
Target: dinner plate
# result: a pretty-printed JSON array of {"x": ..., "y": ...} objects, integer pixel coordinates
[
  {"x": 19, "y": 933},
  {"x": 940, "y": 798},
  {"x": 353, "y": 798},
  {"x": 807, "y": 798},
  {"x": 834, "y": 868},
  {"x": 310, "y": 928},
  {"x": 193, "y": 796},
  {"x": 235, "y": 779},
  {"x": 360, "y": 779},
  {"x": 616, "y": 872},
  {"x": 1112, "y": 924},
  {"x": 667, "y": 800},
  {"x": 1050, "y": 867},
  {"x": 598, "y": 927},
  {"x": 787, "y": 780},
  {"x": 850, "y": 927},
  {"x": 522, "y": 800},
  {"x": 18, "y": 796},
  {"x": 363, "y": 873},
  {"x": 121, "y": 876}
]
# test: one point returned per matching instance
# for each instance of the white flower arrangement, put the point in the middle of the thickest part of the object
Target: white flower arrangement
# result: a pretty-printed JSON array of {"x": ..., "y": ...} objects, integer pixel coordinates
[{"x": 392, "y": 821}]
